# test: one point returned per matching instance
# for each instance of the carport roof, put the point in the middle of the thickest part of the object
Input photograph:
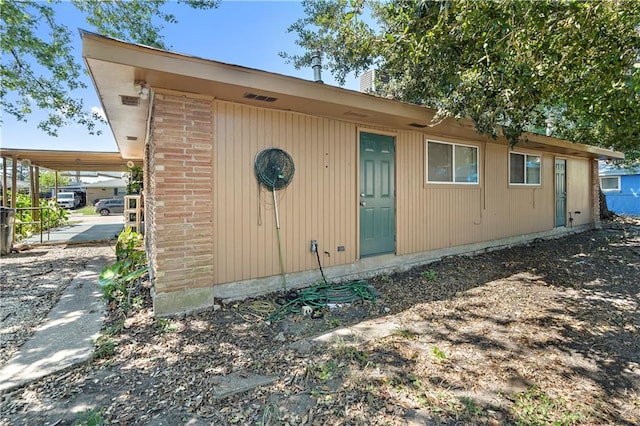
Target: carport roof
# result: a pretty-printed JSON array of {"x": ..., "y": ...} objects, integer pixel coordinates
[{"x": 70, "y": 160}]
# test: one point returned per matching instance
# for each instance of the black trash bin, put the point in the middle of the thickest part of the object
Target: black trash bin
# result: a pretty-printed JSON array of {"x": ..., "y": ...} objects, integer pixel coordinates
[{"x": 7, "y": 217}]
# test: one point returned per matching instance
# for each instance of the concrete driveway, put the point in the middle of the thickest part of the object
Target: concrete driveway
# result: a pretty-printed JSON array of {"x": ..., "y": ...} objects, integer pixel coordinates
[{"x": 83, "y": 228}]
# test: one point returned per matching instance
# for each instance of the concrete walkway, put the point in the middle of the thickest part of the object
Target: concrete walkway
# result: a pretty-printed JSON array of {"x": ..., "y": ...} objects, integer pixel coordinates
[{"x": 66, "y": 337}]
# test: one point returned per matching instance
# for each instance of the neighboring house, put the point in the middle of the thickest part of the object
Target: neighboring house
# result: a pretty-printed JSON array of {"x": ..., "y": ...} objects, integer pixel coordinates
[
  {"x": 621, "y": 186},
  {"x": 110, "y": 188},
  {"x": 376, "y": 184}
]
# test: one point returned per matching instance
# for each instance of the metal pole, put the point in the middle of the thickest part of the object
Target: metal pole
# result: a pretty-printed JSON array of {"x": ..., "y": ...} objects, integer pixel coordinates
[
  {"x": 14, "y": 193},
  {"x": 281, "y": 255},
  {"x": 4, "y": 182}
]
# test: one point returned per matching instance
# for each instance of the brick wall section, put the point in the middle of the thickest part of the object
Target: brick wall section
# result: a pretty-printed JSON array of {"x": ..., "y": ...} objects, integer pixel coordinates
[
  {"x": 179, "y": 198},
  {"x": 595, "y": 194}
]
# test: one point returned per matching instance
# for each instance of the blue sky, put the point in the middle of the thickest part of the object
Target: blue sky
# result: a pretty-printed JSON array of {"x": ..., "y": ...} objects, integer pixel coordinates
[{"x": 247, "y": 33}]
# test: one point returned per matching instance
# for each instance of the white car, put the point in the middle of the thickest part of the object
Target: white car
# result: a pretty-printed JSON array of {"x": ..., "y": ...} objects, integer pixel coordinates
[{"x": 68, "y": 200}]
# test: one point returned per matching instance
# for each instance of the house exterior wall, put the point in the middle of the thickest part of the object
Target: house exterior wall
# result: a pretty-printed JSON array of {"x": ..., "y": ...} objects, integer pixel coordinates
[
  {"x": 318, "y": 204},
  {"x": 627, "y": 200},
  {"x": 579, "y": 194},
  {"x": 178, "y": 198},
  {"x": 94, "y": 194},
  {"x": 435, "y": 216},
  {"x": 211, "y": 228}
]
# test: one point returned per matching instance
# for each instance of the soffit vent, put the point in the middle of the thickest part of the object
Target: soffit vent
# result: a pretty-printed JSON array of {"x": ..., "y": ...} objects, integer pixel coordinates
[
  {"x": 355, "y": 114},
  {"x": 130, "y": 100},
  {"x": 262, "y": 98},
  {"x": 132, "y": 138},
  {"x": 418, "y": 125}
]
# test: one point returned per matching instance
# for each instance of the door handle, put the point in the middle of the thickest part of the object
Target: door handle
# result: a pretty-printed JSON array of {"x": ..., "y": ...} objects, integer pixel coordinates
[
  {"x": 362, "y": 194},
  {"x": 362, "y": 203}
]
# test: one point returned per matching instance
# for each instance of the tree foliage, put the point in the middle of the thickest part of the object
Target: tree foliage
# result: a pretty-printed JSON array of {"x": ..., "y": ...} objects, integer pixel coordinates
[
  {"x": 47, "y": 179},
  {"x": 509, "y": 65},
  {"x": 38, "y": 67}
]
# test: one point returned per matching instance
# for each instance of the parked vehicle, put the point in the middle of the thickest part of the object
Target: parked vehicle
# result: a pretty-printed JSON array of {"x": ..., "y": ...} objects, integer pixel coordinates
[
  {"x": 68, "y": 200},
  {"x": 107, "y": 206}
]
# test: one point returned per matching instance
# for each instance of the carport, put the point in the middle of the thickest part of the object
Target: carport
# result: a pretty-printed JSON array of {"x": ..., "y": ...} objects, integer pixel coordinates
[{"x": 57, "y": 161}]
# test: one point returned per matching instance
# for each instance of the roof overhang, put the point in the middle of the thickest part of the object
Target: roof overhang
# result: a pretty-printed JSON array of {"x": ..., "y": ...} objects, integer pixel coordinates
[
  {"x": 69, "y": 160},
  {"x": 117, "y": 67}
]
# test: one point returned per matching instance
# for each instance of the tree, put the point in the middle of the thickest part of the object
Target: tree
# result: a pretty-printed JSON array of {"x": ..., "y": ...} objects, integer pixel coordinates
[
  {"x": 509, "y": 65},
  {"x": 40, "y": 71},
  {"x": 47, "y": 179}
]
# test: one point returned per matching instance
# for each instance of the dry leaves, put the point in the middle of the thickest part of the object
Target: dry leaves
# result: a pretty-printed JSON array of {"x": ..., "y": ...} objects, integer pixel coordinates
[{"x": 544, "y": 333}]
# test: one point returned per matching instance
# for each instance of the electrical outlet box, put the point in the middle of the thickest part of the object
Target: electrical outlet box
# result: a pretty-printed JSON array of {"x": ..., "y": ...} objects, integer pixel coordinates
[{"x": 314, "y": 246}]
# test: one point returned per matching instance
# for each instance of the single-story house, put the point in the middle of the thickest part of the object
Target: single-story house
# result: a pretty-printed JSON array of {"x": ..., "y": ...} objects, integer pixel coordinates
[
  {"x": 621, "y": 186},
  {"x": 376, "y": 184},
  {"x": 108, "y": 188}
]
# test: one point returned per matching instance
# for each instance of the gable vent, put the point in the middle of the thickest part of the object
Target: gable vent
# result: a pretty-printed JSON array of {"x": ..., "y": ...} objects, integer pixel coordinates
[
  {"x": 355, "y": 114},
  {"x": 130, "y": 100},
  {"x": 262, "y": 98},
  {"x": 418, "y": 125}
]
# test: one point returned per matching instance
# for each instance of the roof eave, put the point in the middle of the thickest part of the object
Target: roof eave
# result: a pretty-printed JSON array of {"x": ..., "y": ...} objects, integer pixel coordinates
[{"x": 116, "y": 65}]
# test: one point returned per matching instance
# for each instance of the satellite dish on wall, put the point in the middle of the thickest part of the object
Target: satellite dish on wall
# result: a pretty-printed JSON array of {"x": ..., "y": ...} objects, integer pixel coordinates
[{"x": 130, "y": 164}]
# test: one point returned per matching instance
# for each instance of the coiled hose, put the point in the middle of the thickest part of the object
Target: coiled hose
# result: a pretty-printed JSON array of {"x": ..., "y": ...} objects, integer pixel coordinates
[{"x": 325, "y": 294}]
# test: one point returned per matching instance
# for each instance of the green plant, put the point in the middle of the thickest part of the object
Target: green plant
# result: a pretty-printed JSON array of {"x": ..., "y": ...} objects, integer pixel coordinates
[
  {"x": 52, "y": 216},
  {"x": 166, "y": 325},
  {"x": 438, "y": 353},
  {"x": 429, "y": 275},
  {"x": 415, "y": 381},
  {"x": 134, "y": 180},
  {"x": 90, "y": 417},
  {"x": 105, "y": 347},
  {"x": 534, "y": 407},
  {"x": 406, "y": 334},
  {"x": 115, "y": 328},
  {"x": 350, "y": 352},
  {"x": 326, "y": 370},
  {"x": 335, "y": 322},
  {"x": 117, "y": 280},
  {"x": 470, "y": 406}
]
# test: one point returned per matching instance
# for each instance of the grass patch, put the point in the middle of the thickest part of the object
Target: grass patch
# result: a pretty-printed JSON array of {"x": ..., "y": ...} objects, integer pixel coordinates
[
  {"x": 87, "y": 211},
  {"x": 105, "y": 347},
  {"x": 534, "y": 407},
  {"x": 90, "y": 417}
]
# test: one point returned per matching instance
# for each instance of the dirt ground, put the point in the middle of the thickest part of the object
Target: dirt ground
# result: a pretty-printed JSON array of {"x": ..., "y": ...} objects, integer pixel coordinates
[{"x": 546, "y": 333}]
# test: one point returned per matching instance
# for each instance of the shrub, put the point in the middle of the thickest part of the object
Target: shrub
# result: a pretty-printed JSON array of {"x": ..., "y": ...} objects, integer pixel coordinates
[{"x": 118, "y": 280}]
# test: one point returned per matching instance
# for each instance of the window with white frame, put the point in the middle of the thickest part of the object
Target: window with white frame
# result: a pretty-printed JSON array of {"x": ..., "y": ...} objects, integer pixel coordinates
[
  {"x": 452, "y": 163},
  {"x": 524, "y": 169},
  {"x": 610, "y": 183}
]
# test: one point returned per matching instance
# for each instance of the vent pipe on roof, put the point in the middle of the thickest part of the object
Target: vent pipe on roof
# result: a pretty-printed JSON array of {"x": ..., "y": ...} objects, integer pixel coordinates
[{"x": 316, "y": 64}]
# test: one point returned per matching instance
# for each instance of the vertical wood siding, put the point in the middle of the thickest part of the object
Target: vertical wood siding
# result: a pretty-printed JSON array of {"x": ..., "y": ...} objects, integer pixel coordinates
[
  {"x": 318, "y": 204},
  {"x": 321, "y": 202},
  {"x": 434, "y": 216},
  {"x": 578, "y": 193}
]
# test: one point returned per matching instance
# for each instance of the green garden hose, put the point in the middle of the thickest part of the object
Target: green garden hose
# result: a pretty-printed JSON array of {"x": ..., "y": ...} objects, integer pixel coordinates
[{"x": 325, "y": 294}]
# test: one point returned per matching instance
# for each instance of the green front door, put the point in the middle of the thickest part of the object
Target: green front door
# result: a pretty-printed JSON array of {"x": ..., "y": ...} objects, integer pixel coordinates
[{"x": 377, "y": 189}]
